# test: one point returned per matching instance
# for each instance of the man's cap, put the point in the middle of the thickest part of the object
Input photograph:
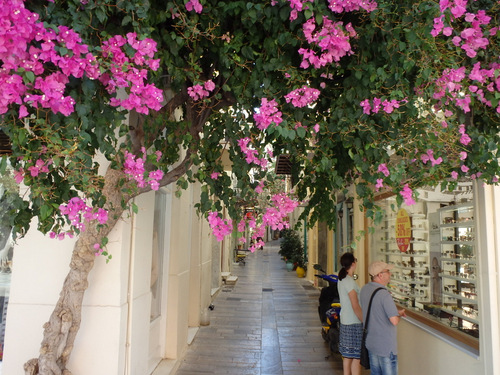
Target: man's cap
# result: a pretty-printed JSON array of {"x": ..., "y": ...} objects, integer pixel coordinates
[{"x": 378, "y": 266}]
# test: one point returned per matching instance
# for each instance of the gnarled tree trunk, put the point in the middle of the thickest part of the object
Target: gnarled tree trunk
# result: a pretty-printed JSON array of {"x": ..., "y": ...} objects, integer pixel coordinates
[{"x": 61, "y": 329}]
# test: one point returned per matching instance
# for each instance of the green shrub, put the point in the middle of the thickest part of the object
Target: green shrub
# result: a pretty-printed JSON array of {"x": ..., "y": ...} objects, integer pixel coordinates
[{"x": 291, "y": 248}]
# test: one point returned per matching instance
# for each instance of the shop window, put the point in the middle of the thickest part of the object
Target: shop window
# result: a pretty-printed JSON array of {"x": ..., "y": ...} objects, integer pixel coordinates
[{"x": 432, "y": 247}]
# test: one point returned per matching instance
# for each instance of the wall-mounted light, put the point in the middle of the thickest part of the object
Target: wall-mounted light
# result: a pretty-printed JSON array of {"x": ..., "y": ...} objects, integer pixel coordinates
[{"x": 349, "y": 204}]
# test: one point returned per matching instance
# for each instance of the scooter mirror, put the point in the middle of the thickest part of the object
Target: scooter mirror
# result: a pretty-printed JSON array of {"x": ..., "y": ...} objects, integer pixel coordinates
[{"x": 317, "y": 267}]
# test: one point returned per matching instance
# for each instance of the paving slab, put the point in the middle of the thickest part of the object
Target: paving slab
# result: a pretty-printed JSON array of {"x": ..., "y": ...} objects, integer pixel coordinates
[{"x": 265, "y": 324}]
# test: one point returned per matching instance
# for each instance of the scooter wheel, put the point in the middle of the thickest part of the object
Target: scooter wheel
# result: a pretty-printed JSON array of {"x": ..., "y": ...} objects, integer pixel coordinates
[
  {"x": 324, "y": 334},
  {"x": 333, "y": 340}
]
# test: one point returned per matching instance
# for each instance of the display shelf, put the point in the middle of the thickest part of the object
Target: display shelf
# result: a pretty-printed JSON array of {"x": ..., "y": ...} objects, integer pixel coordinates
[
  {"x": 461, "y": 316},
  {"x": 410, "y": 280},
  {"x": 458, "y": 264}
]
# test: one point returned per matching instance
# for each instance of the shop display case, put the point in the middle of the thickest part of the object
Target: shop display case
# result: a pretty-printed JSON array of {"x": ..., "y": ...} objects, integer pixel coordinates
[
  {"x": 433, "y": 249},
  {"x": 410, "y": 279},
  {"x": 458, "y": 267}
]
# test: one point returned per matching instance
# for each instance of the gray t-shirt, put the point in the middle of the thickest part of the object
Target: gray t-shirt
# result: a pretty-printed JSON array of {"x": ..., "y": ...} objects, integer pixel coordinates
[
  {"x": 381, "y": 338},
  {"x": 347, "y": 315}
]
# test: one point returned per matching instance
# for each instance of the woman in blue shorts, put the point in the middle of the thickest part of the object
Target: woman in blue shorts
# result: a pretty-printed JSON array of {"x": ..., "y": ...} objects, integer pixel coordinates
[{"x": 351, "y": 316}]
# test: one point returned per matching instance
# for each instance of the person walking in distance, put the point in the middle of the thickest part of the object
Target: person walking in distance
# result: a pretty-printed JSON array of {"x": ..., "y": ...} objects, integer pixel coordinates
[
  {"x": 351, "y": 316},
  {"x": 384, "y": 317}
]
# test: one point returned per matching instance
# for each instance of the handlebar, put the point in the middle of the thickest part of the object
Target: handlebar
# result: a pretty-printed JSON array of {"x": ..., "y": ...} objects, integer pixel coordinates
[{"x": 330, "y": 278}]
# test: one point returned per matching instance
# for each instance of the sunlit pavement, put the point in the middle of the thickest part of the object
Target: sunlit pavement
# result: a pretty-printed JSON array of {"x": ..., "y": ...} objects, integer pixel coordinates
[{"x": 266, "y": 324}]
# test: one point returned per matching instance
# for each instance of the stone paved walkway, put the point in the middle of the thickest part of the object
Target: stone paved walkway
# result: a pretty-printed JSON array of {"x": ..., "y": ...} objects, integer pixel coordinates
[{"x": 266, "y": 324}]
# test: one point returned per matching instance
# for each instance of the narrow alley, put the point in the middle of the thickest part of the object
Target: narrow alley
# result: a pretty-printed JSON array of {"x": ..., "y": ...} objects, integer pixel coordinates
[{"x": 265, "y": 324}]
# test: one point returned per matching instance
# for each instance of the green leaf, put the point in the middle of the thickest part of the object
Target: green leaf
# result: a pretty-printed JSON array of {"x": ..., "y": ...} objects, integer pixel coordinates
[
  {"x": 301, "y": 132},
  {"x": 30, "y": 76},
  {"x": 46, "y": 211}
]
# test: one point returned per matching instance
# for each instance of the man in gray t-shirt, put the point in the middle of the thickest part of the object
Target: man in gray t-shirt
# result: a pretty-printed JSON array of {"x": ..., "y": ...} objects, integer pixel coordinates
[{"x": 384, "y": 316}]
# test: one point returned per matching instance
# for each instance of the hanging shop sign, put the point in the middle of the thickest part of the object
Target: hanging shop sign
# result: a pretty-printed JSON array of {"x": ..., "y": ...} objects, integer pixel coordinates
[{"x": 403, "y": 230}]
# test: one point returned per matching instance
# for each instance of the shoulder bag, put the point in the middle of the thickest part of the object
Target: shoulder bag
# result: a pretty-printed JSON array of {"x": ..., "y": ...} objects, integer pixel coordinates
[{"x": 364, "y": 358}]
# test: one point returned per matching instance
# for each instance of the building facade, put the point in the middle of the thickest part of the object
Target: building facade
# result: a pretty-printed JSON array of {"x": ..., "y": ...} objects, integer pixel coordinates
[
  {"x": 446, "y": 273},
  {"x": 142, "y": 308}
]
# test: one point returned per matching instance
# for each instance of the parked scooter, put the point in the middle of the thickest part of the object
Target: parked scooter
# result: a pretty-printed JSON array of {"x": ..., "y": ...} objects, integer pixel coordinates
[{"x": 329, "y": 309}]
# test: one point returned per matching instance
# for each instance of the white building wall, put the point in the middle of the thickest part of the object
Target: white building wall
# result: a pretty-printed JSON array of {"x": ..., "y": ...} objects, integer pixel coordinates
[
  {"x": 40, "y": 265},
  {"x": 114, "y": 337}
]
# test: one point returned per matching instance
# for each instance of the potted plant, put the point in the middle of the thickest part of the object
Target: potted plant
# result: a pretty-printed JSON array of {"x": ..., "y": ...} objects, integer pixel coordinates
[
  {"x": 299, "y": 261},
  {"x": 291, "y": 249}
]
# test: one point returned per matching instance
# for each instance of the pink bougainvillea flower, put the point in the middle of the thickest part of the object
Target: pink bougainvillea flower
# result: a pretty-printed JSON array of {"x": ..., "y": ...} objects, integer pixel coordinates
[
  {"x": 302, "y": 97},
  {"x": 260, "y": 187},
  {"x": 220, "y": 228},
  {"x": 268, "y": 113},
  {"x": 384, "y": 170},
  {"x": 194, "y": 5},
  {"x": 407, "y": 195}
]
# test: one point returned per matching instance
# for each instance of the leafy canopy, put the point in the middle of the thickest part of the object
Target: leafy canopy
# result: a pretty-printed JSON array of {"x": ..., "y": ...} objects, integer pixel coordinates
[{"x": 387, "y": 95}]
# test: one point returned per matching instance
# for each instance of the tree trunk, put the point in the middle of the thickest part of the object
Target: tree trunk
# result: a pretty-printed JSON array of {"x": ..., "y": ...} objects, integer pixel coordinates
[{"x": 61, "y": 329}]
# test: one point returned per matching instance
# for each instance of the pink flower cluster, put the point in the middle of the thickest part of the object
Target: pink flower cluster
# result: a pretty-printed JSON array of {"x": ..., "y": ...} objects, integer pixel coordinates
[
  {"x": 134, "y": 168},
  {"x": 380, "y": 184},
  {"x": 260, "y": 187},
  {"x": 333, "y": 40},
  {"x": 274, "y": 216},
  {"x": 27, "y": 47},
  {"x": 470, "y": 39},
  {"x": 268, "y": 113},
  {"x": 194, "y": 5},
  {"x": 464, "y": 138},
  {"x": 198, "y": 91},
  {"x": 341, "y": 6},
  {"x": 215, "y": 175},
  {"x": 35, "y": 169},
  {"x": 127, "y": 73},
  {"x": 79, "y": 213},
  {"x": 377, "y": 105},
  {"x": 303, "y": 96},
  {"x": 452, "y": 82},
  {"x": 407, "y": 195},
  {"x": 383, "y": 169},
  {"x": 251, "y": 155},
  {"x": 220, "y": 227},
  {"x": 429, "y": 156},
  {"x": 297, "y": 6}
]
